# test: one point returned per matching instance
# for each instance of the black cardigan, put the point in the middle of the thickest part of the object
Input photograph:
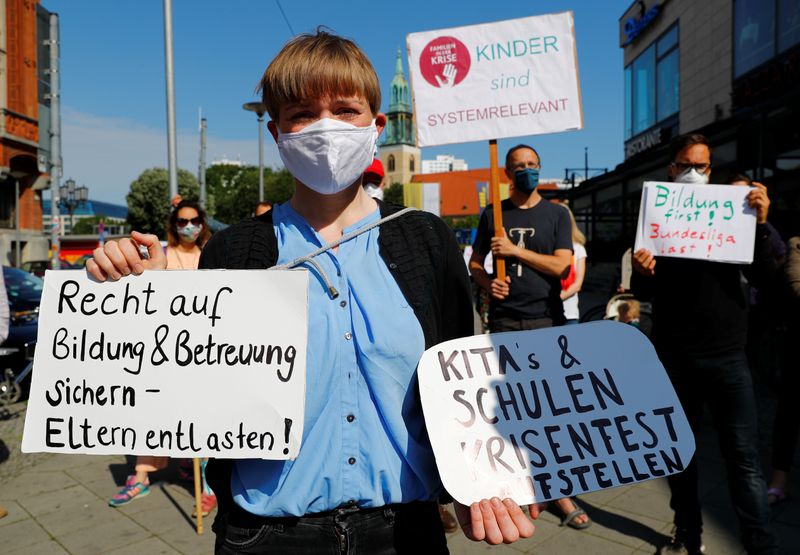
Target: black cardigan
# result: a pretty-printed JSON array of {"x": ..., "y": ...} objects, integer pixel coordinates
[{"x": 421, "y": 253}]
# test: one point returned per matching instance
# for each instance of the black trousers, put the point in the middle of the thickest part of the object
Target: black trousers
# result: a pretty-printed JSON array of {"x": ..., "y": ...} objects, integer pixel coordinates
[
  {"x": 504, "y": 323},
  {"x": 723, "y": 381},
  {"x": 395, "y": 529}
]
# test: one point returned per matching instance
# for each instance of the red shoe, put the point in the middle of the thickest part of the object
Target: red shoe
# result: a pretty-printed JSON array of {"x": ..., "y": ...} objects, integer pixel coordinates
[{"x": 208, "y": 502}]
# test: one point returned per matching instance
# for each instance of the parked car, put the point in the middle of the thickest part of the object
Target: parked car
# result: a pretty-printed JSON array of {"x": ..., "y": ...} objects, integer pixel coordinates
[
  {"x": 37, "y": 267},
  {"x": 24, "y": 295}
]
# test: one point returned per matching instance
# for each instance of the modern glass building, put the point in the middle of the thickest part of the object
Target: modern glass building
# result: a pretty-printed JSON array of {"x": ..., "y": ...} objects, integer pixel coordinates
[{"x": 729, "y": 69}]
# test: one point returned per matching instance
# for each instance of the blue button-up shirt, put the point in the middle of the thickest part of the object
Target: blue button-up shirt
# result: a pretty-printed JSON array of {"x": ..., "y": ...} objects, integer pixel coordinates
[{"x": 364, "y": 439}]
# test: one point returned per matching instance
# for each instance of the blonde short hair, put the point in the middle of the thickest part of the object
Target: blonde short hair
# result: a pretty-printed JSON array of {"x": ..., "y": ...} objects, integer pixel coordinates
[{"x": 318, "y": 65}]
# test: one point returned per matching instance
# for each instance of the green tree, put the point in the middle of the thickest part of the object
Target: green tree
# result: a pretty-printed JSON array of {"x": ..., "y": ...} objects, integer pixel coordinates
[
  {"x": 148, "y": 199},
  {"x": 394, "y": 193},
  {"x": 235, "y": 190}
]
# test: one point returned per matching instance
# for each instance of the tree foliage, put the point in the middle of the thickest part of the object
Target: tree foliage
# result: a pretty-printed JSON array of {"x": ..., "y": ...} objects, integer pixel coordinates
[
  {"x": 232, "y": 191},
  {"x": 148, "y": 199},
  {"x": 394, "y": 193}
]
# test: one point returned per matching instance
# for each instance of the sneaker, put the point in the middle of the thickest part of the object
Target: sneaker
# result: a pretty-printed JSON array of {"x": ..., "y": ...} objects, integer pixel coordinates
[
  {"x": 683, "y": 542},
  {"x": 208, "y": 502},
  {"x": 131, "y": 491}
]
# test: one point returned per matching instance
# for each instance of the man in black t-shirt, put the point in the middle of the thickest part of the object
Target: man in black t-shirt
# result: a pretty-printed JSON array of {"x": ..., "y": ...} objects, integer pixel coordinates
[{"x": 537, "y": 247}]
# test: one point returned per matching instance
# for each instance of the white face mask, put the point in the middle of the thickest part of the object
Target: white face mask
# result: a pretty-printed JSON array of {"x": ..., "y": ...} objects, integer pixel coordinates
[
  {"x": 329, "y": 155},
  {"x": 692, "y": 176},
  {"x": 374, "y": 191}
]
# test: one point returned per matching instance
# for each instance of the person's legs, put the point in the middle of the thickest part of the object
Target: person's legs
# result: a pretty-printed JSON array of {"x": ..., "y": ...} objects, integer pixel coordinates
[
  {"x": 733, "y": 406},
  {"x": 684, "y": 499},
  {"x": 784, "y": 433}
]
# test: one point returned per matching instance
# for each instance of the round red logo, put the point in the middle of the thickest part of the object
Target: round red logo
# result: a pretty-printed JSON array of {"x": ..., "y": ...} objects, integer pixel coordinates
[{"x": 444, "y": 62}]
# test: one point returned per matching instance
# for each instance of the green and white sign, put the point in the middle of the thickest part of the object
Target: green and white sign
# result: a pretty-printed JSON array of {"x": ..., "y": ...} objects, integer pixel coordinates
[{"x": 495, "y": 80}]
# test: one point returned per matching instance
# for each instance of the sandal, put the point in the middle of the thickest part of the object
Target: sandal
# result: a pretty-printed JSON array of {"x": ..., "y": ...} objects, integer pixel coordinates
[
  {"x": 208, "y": 501},
  {"x": 569, "y": 518},
  {"x": 131, "y": 491},
  {"x": 775, "y": 496}
]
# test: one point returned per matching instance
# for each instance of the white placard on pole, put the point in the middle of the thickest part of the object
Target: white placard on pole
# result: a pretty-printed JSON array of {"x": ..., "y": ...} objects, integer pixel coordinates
[
  {"x": 495, "y": 80},
  {"x": 704, "y": 222},
  {"x": 175, "y": 363},
  {"x": 544, "y": 414}
]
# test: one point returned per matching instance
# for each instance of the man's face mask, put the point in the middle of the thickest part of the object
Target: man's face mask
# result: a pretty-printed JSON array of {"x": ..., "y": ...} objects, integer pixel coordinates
[
  {"x": 329, "y": 155},
  {"x": 692, "y": 176},
  {"x": 373, "y": 190},
  {"x": 525, "y": 181}
]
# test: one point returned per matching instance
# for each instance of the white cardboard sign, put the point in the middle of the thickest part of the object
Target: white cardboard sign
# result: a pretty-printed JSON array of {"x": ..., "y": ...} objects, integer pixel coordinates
[
  {"x": 705, "y": 222},
  {"x": 539, "y": 415},
  {"x": 504, "y": 79},
  {"x": 177, "y": 363}
]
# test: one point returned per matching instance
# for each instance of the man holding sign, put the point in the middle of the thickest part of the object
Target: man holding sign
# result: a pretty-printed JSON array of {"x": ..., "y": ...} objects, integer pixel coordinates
[
  {"x": 700, "y": 330},
  {"x": 538, "y": 244},
  {"x": 385, "y": 284}
]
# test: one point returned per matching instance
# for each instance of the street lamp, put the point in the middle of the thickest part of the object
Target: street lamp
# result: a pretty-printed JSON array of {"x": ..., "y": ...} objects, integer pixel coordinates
[
  {"x": 259, "y": 109},
  {"x": 72, "y": 197}
]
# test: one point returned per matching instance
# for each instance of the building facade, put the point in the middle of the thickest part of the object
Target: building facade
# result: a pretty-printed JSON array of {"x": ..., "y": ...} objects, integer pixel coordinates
[
  {"x": 729, "y": 69},
  {"x": 444, "y": 163},
  {"x": 399, "y": 154}
]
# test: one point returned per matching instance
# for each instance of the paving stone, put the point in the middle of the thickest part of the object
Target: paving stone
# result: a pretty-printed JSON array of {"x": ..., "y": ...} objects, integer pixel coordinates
[
  {"x": 15, "y": 513},
  {"x": 459, "y": 544},
  {"x": 580, "y": 542},
  {"x": 48, "y": 547},
  {"x": 22, "y": 534},
  {"x": 104, "y": 538},
  {"x": 79, "y": 516},
  {"x": 603, "y": 496},
  {"x": 161, "y": 520},
  {"x": 645, "y": 502},
  {"x": 94, "y": 467},
  {"x": 186, "y": 540},
  {"x": 622, "y": 527},
  {"x": 33, "y": 483},
  {"x": 150, "y": 546},
  {"x": 43, "y": 503},
  {"x": 59, "y": 461}
]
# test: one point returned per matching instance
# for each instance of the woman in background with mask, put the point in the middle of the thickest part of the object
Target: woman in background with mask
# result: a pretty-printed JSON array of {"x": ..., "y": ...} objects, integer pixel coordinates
[{"x": 187, "y": 232}]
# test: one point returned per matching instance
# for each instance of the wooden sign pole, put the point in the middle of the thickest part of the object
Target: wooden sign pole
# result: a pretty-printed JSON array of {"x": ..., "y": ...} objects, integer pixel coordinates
[
  {"x": 198, "y": 488},
  {"x": 497, "y": 212}
]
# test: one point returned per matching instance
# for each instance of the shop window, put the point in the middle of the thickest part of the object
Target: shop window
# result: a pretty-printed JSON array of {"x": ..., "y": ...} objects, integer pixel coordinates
[
  {"x": 652, "y": 84},
  {"x": 753, "y": 34},
  {"x": 788, "y": 24}
]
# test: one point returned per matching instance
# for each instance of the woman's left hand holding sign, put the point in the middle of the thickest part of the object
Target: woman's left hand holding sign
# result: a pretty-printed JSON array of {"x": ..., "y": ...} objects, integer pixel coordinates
[
  {"x": 121, "y": 258},
  {"x": 495, "y": 521}
]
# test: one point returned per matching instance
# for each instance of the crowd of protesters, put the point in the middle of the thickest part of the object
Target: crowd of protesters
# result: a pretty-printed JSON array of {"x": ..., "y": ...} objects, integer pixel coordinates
[{"x": 321, "y": 90}]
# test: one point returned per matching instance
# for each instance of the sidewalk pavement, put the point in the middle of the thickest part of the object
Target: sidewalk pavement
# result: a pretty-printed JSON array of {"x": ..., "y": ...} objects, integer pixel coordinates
[{"x": 58, "y": 504}]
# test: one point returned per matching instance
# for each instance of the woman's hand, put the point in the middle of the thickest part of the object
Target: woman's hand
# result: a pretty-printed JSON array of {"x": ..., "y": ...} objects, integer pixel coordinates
[
  {"x": 120, "y": 258},
  {"x": 494, "y": 521}
]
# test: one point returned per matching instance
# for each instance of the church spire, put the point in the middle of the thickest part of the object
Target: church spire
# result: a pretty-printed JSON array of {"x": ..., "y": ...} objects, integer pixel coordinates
[{"x": 400, "y": 119}]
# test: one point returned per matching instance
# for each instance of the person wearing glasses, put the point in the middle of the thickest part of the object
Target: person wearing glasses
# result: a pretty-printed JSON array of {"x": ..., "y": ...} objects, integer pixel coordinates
[
  {"x": 537, "y": 246},
  {"x": 700, "y": 332},
  {"x": 187, "y": 232}
]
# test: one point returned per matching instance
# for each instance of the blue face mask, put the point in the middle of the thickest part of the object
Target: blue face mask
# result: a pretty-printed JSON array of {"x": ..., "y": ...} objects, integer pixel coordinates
[{"x": 525, "y": 181}]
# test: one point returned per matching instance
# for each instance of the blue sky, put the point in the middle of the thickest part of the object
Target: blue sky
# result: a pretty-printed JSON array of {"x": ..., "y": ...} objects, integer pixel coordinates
[{"x": 113, "y": 92}]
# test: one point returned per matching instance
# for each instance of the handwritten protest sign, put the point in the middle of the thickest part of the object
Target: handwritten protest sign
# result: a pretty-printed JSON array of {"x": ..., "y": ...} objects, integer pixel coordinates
[
  {"x": 706, "y": 222},
  {"x": 178, "y": 363},
  {"x": 503, "y": 79},
  {"x": 539, "y": 415}
]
